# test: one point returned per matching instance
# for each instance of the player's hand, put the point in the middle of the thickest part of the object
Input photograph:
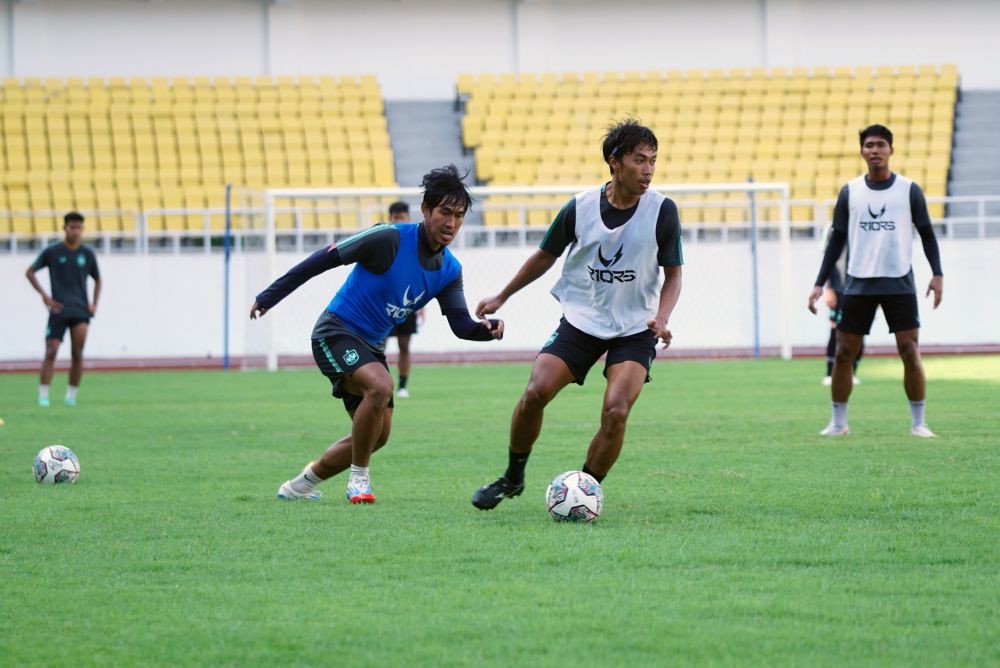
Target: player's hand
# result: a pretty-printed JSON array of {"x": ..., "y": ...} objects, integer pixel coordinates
[
  {"x": 51, "y": 304},
  {"x": 495, "y": 327},
  {"x": 257, "y": 311},
  {"x": 937, "y": 287},
  {"x": 830, "y": 297},
  {"x": 92, "y": 309},
  {"x": 420, "y": 317},
  {"x": 489, "y": 305},
  {"x": 661, "y": 331},
  {"x": 816, "y": 293}
]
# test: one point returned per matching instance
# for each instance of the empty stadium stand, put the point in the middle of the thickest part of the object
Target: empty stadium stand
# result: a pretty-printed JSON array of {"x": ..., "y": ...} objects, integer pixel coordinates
[
  {"x": 798, "y": 125},
  {"x": 166, "y": 146}
]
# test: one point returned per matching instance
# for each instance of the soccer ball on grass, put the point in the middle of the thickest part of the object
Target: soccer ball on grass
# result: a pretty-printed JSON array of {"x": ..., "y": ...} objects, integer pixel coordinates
[
  {"x": 574, "y": 496},
  {"x": 55, "y": 464}
]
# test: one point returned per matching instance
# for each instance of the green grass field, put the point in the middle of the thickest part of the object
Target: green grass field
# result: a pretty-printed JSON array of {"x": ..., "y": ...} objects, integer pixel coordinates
[{"x": 731, "y": 533}]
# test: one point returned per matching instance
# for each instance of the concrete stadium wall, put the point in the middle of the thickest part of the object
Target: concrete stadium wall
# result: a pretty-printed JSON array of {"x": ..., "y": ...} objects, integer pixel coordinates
[
  {"x": 418, "y": 47},
  {"x": 172, "y": 306}
]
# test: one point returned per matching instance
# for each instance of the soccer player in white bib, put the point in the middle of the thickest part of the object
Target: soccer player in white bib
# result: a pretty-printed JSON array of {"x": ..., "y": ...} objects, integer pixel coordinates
[
  {"x": 618, "y": 237},
  {"x": 875, "y": 217}
]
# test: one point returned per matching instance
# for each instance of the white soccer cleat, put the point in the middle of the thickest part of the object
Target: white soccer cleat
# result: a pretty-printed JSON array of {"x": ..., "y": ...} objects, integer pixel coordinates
[
  {"x": 828, "y": 380},
  {"x": 286, "y": 493},
  {"x": 403, "y": 393},
  {"x": 835, "y": 430},
  {"x": 922, "y": 431}
]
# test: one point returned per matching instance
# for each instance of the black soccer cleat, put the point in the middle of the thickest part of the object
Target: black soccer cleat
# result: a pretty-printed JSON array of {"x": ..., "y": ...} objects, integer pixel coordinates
[{"x": 490, "y": 496}]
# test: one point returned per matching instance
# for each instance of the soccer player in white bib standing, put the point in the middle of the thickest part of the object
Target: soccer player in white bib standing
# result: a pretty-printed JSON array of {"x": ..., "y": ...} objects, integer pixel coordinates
[
  {"x": 875, "y": 217},
  {"x": 619, "y": 236}
]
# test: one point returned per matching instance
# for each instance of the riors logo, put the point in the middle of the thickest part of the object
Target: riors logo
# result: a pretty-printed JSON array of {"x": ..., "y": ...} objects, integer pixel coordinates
[
  {"x": 401, "y": 313},
  {"x": 605, "y": 274},
  {"x": 877, "y": 225}
]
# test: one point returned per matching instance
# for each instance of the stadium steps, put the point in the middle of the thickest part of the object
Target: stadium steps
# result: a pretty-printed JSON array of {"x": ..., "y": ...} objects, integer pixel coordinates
[
  {"x": 425, "y": 135},
  {"x": 975, "y": 168}
]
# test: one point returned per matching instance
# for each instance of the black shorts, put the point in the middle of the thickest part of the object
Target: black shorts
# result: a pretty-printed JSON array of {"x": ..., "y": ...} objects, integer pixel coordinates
[
  {"x": 580, "y": 351},
  {"x": 339, "y": 356},
  {"x": 58, "y": 324},
  {"x": 858, "y": 312},
  {"x": 408, "y": 326}
]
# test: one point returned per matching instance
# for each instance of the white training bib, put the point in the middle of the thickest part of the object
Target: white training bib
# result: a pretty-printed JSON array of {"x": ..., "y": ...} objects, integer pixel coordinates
[
  {"x": 610, "y": 283},
  {"x": 879, "y": 229}
]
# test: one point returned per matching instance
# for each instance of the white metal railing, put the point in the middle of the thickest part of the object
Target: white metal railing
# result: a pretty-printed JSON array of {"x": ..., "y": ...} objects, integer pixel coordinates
[{"x": 966, "y": 217}]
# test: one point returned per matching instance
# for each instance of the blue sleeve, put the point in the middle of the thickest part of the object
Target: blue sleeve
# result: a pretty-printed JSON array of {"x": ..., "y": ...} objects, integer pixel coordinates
[{"x": 320, "y": 261}]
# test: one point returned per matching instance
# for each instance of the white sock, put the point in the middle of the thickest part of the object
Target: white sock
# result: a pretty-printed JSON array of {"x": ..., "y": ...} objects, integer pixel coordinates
[
  {"x": 840, "y": 414},
  {"x": 917, "y": 412},
  {"x": 306, "y": 481},
  {"x": 359, "y": 471},
  {"x": 43, "y": 391},
  {"x": 71, "y": 392}
]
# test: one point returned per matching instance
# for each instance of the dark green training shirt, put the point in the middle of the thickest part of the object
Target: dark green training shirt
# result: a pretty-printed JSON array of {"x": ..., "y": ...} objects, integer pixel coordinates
[{"x": 68, "y": 272}]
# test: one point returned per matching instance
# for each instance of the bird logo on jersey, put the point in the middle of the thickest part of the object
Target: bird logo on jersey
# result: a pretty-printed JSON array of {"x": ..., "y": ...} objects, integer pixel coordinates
[
  {"x": 614, "y": 258},
  {"x": 401, "y": 313},
  {"x": 605, "y": 274},
  {"x": 877, "y": 225}
]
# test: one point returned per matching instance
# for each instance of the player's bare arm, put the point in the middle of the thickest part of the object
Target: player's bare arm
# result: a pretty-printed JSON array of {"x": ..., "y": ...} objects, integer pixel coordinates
[
  {"x": 669, "y": 294},
  {"x": 50, "y": 303},
  {"x": 533, "y": 268},
  {"x": 92, "y": 306}
]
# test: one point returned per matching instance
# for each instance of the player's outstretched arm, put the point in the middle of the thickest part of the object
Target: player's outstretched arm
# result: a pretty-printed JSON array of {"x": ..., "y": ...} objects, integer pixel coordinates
[
  {"x": 320, "y": 261},
  {"x": 533, "y": 268}
]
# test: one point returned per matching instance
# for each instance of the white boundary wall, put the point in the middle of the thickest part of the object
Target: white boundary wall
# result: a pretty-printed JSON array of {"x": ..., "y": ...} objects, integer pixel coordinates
[
  {"x": 171, "y": 306},
  {"x": 418, "y": 47}
]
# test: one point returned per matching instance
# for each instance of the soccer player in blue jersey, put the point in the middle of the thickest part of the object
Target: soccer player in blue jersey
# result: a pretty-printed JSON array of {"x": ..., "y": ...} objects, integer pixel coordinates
[
  {"x": 875, "y": 217},
  {"x": 398, "y": 270},
  {"x": 69, "y": 262},
  {"x": 619, "y": 239}
]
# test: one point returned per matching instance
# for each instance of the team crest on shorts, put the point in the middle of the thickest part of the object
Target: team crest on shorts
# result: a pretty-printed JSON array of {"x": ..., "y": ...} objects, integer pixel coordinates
[
  {"x": 351, "y": 357},
  {"x": 551, "y": 339}
]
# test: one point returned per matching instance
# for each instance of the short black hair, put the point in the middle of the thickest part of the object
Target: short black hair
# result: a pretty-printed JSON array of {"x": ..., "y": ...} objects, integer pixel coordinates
[
  {"x": 876, "y": 131},
  {"x": 446, "y": 184},
  {"x": 399, "y": 207},
  {"x": 623, "y": 138},
  {"x": 72, "y": 217}
]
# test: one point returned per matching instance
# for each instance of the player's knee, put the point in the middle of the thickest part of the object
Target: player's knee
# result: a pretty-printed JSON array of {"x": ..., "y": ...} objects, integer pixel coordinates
[
  {"x": 379, "y": 392},
  {"x": 614, "y": 415},
  {"x": 77, "y": 353},
  {"x": 50, "y": 353},
  {"x": 534, "y": 397},
  {"x": 845, "y": 354},
  {"x": 909, "y": 351}
]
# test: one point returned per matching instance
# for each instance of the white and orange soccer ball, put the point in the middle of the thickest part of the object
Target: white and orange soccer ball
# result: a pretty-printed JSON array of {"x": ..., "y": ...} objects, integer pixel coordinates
[{"x": 574, "y": 496}]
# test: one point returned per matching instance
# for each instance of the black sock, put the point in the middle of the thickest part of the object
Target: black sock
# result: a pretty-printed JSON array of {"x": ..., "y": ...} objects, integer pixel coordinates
[
  {"x": 598, "y": 478},
  {"x": 516, "y": 462},
  {"x": 402, "y": 381}
]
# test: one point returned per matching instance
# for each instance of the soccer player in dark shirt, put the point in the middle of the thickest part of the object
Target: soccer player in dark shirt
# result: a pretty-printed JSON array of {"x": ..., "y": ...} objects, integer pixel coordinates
[
  {"x": 69, "y": 262},
  {"x": 876, "y": 217},
  {"x": 398, "y": 270}
]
